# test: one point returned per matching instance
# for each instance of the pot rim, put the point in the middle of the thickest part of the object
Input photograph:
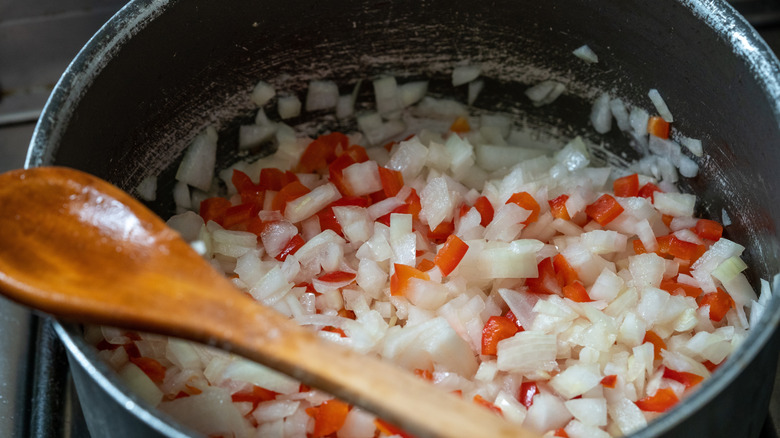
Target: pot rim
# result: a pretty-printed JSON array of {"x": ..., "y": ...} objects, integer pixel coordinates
[{"x": 718, "y": 15}]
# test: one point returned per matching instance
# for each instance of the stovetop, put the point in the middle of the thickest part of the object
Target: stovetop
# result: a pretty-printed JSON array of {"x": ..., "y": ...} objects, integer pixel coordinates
[{"x": 38, "y": 38}]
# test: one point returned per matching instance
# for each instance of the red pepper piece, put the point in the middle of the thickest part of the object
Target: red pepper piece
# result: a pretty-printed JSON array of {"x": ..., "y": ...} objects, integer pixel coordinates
[
  {"x": 647, "y": 191},
  {"x": 547, "y": 283},
  {"x": 658, "y": 344},
  {"x": 526, "y": 201},
  {"x": 661, "y": 401},
  {"x": 392, "y": 181},
  {"x": 485, "y": 209},
  {"x": 399, "y": 281},
  {"x": 687, "y": 379},
  {"x": 719, "y": 301},
  {"x": 627, "y": 186},
  {"x": 442, "y": 232},
  {"x": 609, "y": 381},
  {"x": 213, "y": 209},
  {"x": 564, "y": 271},
  {"x": 478, "y": 399},
  {"x": 153, "y": 369},
  {"x": 604, "y": 210},
  {"x": 708, "y": 229},
  {"x": 558, "y": 207},
  {"x": 576, "y": 292},
  {"x": 291, "y": 248},
  {"x": 527, "y": 392},
  {"x": 256, "y": 395},
  {"x": 496, "y": 329},
  {"x": 460, "y": 125},
  {"x": 328, "y": 417},
  {"x": 450, "y": 254},
  {"x": 290, "y": 192},
  {"x": 658, "y": 127},
  {"x": 337, "y": 277}
]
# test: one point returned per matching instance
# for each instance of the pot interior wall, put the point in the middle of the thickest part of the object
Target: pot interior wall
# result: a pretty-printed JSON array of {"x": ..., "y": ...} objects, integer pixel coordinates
[{"x": 195, "y": 64}]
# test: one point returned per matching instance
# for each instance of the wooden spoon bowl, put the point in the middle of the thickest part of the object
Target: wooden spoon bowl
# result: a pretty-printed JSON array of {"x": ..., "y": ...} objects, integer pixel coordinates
[{"x": 77, "y": 247}]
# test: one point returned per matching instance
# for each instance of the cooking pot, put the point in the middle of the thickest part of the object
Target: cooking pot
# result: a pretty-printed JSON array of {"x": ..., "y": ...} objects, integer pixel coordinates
[{"x": 160, "y": 71}]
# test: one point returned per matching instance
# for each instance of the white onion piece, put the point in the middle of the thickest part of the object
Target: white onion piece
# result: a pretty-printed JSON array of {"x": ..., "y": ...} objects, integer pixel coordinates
[
  {"x": 197, "y": 166},
  {"x": 274, "y": 410},
  {"x": 142, "y": 385},
  {"x": 462, "y": 155},
  {"x": 620, "y": 113},
  {"x": 586, "y": 54},
  {"x": 546, "y": 413},
  {"x": 589, "y": 411},
  {"x": 475, "y": 87},
  {"x": 412, "y": 92},
  {"x": 387, "y": 96},
  {"x": 276, "y": 236},
  {"x": 322, "y": 95},
  {"x": 545, "y": 92},
  {"x": 437, "y": 202},
  {"x": 576, "y": 380},
  {"x": 694, "y": 145},
  {"x": 355, "y": 222},
  {"x": 527, "y": 352},
  {"x": 310, "y": 203},
  {"x": 660, "y": 105},
  {"x": 674, "y": 204},
  {"x": 363, "y": 178},
  {"x": 250, "y": 136},
  {"x": 409, "y": 158},
  {"x": 288, "y": 107},
  {"x": 358, "y": 424},
  {"x": 601, "y": 115},
  {"x": 465, "y": 74},
  {"x": 209, "y": 413},
  {"x": 262, "y": 93},
  {"x": 147, "y": 188},
  {"x": 577, "y": 429},
  {"x": 628, "y": 417}
]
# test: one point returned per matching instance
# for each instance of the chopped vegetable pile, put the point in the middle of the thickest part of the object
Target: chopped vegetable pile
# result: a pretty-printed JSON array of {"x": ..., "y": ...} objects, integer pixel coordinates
[{"x": 575, "y": 300}]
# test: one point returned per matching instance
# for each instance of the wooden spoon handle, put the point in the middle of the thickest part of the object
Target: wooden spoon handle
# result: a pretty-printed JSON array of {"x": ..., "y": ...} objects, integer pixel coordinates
[{"x": 395, "y": 395}]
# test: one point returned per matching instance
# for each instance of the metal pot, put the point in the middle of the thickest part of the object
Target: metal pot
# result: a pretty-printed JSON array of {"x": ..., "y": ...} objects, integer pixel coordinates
[{"x": 160, "y": 71}]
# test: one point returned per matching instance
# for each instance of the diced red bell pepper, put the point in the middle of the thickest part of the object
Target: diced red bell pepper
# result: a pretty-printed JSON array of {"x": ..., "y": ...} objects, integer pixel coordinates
[
  {"x": 330, "y": 328},
  {"x": 388, "y": 429},
  {"x": 708, "y": 229},
  {"x": 686, "y": 378},
  {"x": 478, "y": 399},
  {"x": 604, "y": 210},
  {"x": 274, "y": 179},
  {"x": 561, "y": 433},
  {"x": 424, "y": 374},
  {"x": 290, "y": 192},
  {"x": 243, "y": 183},
  {"x": 526, "y": 393},
  {"x": 322, "y": 152},
  {"x": 442, "y": 232},
  {"x": 213, "y": 209},
  {"x": 609, "y": 381},
  {"x": 485, "y": 209},
  {"x": 329, "y": 417},
  {"x": 526, "y": 201},
  {"x": 546, "y": 283},
  {"x": 415, "y": 206},
  {"x": 647, "y": 191},
  {"x": 358, "y": 153},
  {"x": 661, "y": 401},
  {"x": 658, "y": 344},
  {"x": 511, "y": 316},
  {"x": 658, "y": 127},
  {"x": 291, "y": 248},
  {"x": 627, "y": 186},
  {"x": 576, "y": 292},
  {"x": 558, "y": 207},
  {"x": 676, "y": 288},
  {"x": 336, "y": 173},
  {"x": 564, "y": 271},
  {"x": 237, "y": 217},
  {"x": 497, "y": 328},
  {"x": 392, "y": 181},
  {"x": 256, "y": 396},
  {"x": 425, "y": 265},
  {"x": 450, "y": 254},
  {"x": 337, "y": 277},
  {"x": 460, "y": 125},
  {"x": 685, "y": 250},
  {"x": 719, "y": 301},
  {"x": 711, "y": 367},
  {"x": 399, "y": 281},
  {"x": 153, "y": 369}
]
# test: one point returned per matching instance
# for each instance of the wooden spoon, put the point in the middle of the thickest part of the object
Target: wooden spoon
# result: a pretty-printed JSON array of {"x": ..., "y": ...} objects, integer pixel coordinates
[{"x": 75, "y": 246}]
